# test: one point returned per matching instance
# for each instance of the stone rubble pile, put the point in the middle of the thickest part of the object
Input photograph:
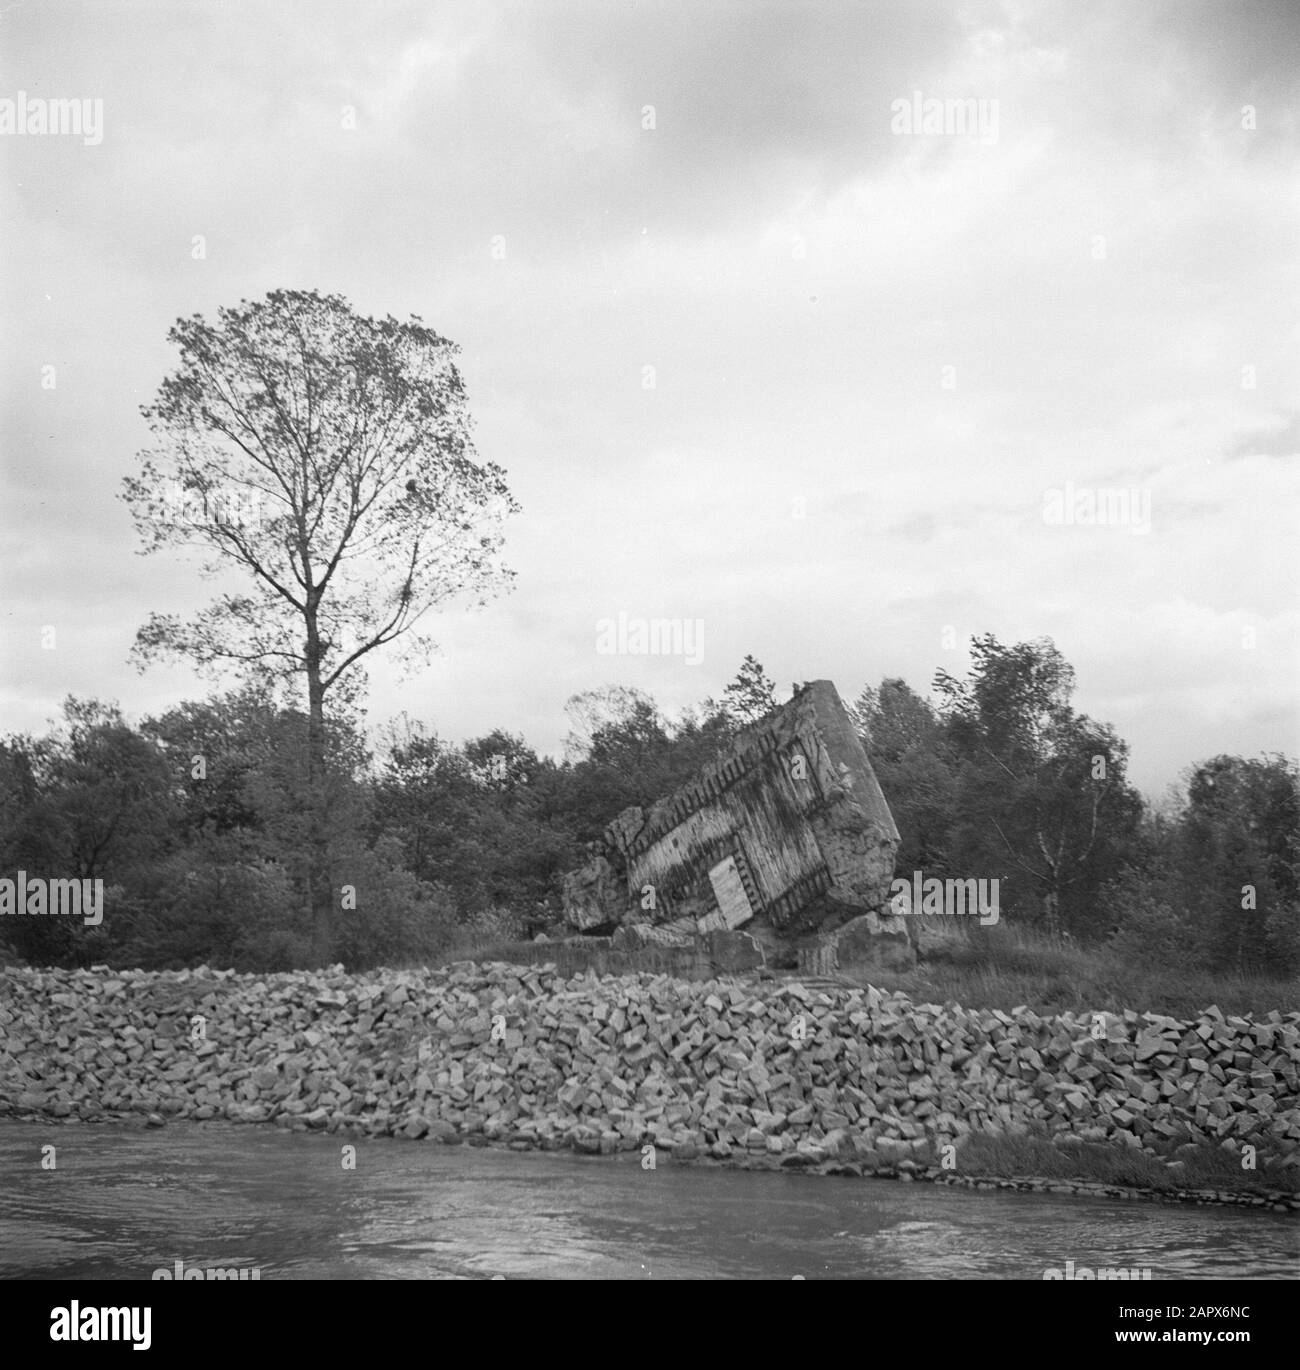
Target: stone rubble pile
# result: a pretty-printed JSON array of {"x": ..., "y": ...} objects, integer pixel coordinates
[{"x": 729, "y": 1069}]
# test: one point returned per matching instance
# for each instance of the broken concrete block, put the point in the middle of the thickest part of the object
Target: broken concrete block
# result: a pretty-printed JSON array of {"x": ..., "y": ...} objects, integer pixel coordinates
[
  {"x": 592, "y": 895},
  {"x": 786, "y": 833},
  {"x": 872, "y": 939},
  {"x": 634, "y": 936}
]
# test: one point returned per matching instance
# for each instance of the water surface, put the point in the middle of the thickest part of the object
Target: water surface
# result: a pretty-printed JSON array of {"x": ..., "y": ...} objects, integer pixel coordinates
[{"x": 123, "y": 1202}]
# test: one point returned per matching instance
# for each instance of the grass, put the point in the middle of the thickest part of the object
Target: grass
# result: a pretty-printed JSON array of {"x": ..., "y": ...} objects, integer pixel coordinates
[
  {"x": 1204, "y": 1166},
  {"x": 1001, "y": 967},
  {"x": 1006, "y": 968}
]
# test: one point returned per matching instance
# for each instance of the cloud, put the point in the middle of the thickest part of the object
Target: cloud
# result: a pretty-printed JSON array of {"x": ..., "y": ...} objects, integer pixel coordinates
[{"x": 907, "y": 340}]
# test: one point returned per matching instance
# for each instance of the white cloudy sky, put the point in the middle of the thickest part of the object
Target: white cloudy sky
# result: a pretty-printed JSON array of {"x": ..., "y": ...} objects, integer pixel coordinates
[{"x": 798, "y": 276}]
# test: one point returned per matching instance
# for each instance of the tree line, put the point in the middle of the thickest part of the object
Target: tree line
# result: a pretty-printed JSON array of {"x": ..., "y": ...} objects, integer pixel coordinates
[{"x": 205, "y": 823}]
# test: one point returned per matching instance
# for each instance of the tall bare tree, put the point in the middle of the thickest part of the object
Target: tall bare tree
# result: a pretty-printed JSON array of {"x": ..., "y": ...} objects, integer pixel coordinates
[{"x": 327, "y": 457}]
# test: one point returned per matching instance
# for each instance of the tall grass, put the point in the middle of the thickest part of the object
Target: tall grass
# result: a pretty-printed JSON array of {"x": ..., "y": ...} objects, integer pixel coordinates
[
  {"x": 1005, "y": 967},
  {"x": 1036, "y": 1153}
]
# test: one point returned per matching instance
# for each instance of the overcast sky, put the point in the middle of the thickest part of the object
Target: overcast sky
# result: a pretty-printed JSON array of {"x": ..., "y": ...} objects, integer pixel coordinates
[{"x": 876, "y": 352}]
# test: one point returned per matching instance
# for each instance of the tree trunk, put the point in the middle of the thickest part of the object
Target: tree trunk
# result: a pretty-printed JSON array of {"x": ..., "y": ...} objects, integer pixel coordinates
[
  {"x": 320, "y": 899},
  {"x": 1051, "y": 912}
]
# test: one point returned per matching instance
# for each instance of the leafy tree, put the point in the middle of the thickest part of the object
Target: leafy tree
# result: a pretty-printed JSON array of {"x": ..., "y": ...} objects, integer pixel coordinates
[
  {"x": 750, "y": 696},
  {"x": 327, "y": 457},
  {"x": 107, "y": 793},
  {"x": 502, "y": 763},
  {"x": 29, "y": 841},
  {"x": 219, "y": 750},
  {"x": 95, "y": 802},
  {"x": 1239, "y": 858},
  {"x": 1149, "y": 926},
  {"x": 624, "y": 751},
  {"x": 905, "y": 744},
  {"x": 617, "y": 750},
  {"x": 486, "y": 821},
  {"x": 242, "y": 766},
  {"x": 397, "y": 916},
  {"x": 636, "y": 756},
  {"x": 1050, "y": 783},
  {"x": 218, "y": 901},
  {"x": 611, "y": 707}
]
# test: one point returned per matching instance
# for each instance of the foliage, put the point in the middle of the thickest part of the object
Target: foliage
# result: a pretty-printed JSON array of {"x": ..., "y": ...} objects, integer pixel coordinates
[
  {"x": 1041, "y": 798},
  {"x": 328, "y": 456},
  {"x": 200, "y": 820}
]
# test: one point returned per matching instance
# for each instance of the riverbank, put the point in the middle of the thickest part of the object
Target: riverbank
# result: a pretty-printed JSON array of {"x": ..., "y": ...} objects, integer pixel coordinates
[{"x": 761, "y": 1074}]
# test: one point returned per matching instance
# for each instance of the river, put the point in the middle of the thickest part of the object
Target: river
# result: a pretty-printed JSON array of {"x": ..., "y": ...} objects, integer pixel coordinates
[{"x": 122, "y": 1202}]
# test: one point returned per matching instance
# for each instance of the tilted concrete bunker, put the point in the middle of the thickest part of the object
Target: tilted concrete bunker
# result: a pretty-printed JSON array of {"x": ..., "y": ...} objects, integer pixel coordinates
[{"x": 786, "y": 835}]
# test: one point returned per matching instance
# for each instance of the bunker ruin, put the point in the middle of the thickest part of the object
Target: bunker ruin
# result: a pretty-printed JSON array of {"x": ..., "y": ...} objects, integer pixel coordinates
[{"x": 786, "y": 836}]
